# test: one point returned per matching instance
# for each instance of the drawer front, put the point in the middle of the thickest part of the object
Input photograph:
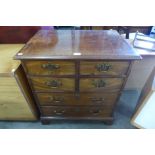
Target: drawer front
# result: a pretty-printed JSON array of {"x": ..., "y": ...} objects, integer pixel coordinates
[
  {"x": 51, "y": 99},
  {"x": 55, "y": 111},
  {"x": 99, "y": 99},
  {"x": 50, "y": 67},
  {"x": 116, "y": 68},
  {"x": 53, "y": 84},
  {"x": 101, "y": 84}
]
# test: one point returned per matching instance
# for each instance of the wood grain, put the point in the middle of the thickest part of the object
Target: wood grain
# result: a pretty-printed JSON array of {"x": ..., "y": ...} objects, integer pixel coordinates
[
  {"x": 111, "y": 84},
  {"x": 93, "y": 83},
  {"x": 13, "y": 104},
  {"x": 104, "y": 111},
  {"x": 86, "y": 99},
  {"x": 118, "y": 68},
  {"x": 36, "y": 67},
  {"x": 7, "y": 64},
  {"x": 77, "y": 44},
  {"x": 40, "y": 84},
  {"x": 16, "y": 100},
  {"x": 23, "y": 84}
]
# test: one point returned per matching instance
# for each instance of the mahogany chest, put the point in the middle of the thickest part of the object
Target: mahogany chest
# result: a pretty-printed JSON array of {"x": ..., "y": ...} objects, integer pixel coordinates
[{"x": 77, "y": 74}]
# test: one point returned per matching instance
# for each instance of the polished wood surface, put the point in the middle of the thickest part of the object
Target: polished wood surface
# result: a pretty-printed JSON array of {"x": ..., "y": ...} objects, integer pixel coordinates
[
  {"x": 89, "y": 71},
  {"x": 16, "y": 99},
  {"x": 50, "y": 99},
  {"x": 50, "y": 67},
  {"x": 110, "y": 84},
  {"x": 93, "y": 111},
  {"x": 77, "y": 44},
  {"x": 117, "y": 68},
  {"x": 87, "y": 99},
  {"x": 45, "y": 84},
  {"x": 16, "y": 102},
  {"x": 23, "y": 84}
]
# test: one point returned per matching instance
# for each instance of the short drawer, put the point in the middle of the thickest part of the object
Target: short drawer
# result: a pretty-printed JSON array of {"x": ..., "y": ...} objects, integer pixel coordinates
[
  {"x": 56, "y": 111},
  {"x": 101, "y": 84},
  {"x": 53, "y": 84},
  {"x": 85, "y": 99},
  {"x": 113, "y": 68},
  {"x": 50, "y": 67}
]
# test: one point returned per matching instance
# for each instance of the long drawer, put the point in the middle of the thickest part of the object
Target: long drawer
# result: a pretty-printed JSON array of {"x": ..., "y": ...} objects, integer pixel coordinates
[
  {"x": 72, "y": 111},
  {"x": 50, "y": 67},
  {"x": 112, "y": 68},
  {"x": 53, "y": 84},
  {"x": 85, "y": 99}
]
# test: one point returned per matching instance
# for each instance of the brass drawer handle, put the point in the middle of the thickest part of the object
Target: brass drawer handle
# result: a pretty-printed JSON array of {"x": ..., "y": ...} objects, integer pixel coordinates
[
  {"x": 99, "y": 83},
  {"x": 94, "y": 99},
  {"x": 95, "y": 112},
  {"x": 59, "y": 112},
  {"x": 50, "y": 66},
  {"x": 56, "y": 100},
  {"x": 103, "y": 67},
  {"x": 53, "y": 83}
]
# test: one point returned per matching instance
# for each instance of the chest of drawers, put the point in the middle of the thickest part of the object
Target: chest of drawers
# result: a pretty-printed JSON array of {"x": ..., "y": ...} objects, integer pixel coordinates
[{"x": 77, "y": 74}]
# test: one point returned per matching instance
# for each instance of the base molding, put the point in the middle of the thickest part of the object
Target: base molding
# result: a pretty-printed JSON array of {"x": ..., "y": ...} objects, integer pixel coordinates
[{"x": 48, "y": 120}]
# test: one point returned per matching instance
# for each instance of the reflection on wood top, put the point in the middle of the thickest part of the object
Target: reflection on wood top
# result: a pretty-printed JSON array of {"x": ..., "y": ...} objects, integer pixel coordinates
[
  {"x": 7, "y": 64},
  {"x": 77, "y": 44}
]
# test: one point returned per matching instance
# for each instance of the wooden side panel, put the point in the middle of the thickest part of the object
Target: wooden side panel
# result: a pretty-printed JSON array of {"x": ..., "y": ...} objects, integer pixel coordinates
[
  {"x": 13, "y": 105},
  {"x": 26, "y": 90},
  {"x": 8, "y": 84},
  {"x": 7, "y": 64}
]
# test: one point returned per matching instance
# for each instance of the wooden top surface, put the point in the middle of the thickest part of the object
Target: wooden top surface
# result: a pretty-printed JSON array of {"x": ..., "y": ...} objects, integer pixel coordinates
[
  {"x": 7, "y": 64},
  {"x": 77, "y": 44}
]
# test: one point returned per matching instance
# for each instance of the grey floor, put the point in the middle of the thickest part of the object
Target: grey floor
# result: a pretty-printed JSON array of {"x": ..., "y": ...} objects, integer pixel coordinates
[{"x": 123, "y": 112}]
